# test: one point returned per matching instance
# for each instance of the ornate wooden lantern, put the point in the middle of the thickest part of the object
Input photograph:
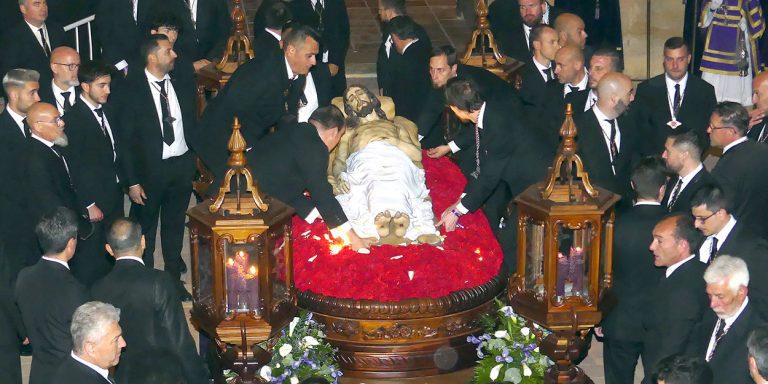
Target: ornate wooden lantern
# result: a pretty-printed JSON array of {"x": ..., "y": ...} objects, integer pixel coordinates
[
  {"x": 565, "y": 235},
  {"x": 482, "y": 50},
  {"x": 242, "y": 272}
]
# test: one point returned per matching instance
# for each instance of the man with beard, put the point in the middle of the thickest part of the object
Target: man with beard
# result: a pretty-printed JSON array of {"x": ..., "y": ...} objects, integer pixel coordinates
[
  {"x": 603, "y": 61},
  {"x": 758, "y": 125},
  {"x": 388, "y": 55},
  {"x": 157, "y": 123},
  {"x": 512, "y": 27},
  {"x": 62, "y": 91},
  {"x": 607, "y": 138},
  {"x": 682, "y": 153},
  {"x": 675, "y": 101}
]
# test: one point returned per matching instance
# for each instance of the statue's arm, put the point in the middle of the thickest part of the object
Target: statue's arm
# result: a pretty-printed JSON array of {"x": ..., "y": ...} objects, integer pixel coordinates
[{"x": 342, "y": 152}]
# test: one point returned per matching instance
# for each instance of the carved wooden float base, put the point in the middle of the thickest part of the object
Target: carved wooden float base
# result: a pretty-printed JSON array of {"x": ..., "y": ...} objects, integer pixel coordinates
[{"x": 408, "y": 338}]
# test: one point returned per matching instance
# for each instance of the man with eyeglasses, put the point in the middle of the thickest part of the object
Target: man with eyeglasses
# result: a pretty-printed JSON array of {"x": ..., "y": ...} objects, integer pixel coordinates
[
  {"x": 743, "y": 168},
  {"x": 728, "y": 236},
  {"x": 62, "y": 90}
]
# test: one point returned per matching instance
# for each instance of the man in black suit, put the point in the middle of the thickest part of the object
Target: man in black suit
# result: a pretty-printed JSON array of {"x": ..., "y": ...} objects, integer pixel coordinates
[
  {"x": 742, "y": 168},
  {"x": 48, "y": 294},
  {"x": 16, "y": 227},
  {"x": 757, "y": 346},
  {"x": 387, "y": 54},
  {"x": 607, "y": 136},
  {"x": 728, "y": 236},
  {"x": 675, "y": 101},
  {"x": 261, "y": 93},
  {"x": 677, "y": 303},
  {"x": 511, "y": 23},
  {"x": 295, "y": 159},
  {"x": 330, "y": 19},
  {"x": 604, "y": 60},
  {"x": 758, "y": 125},
  {"x": 443, "y": 66},
  {"x": 96, "y": 345},
  {"x": 633, "y": 272},
  {"x": 12, "y": 333},
  {"x": 152, "y": 312},
  {"x": 539, "y": 70},
  {"x": 210, "y": 29},
  {"x": 682, "y": 153},
  {"x": 681, "y": 369},
  {"x": 28, "y": 44},
  {"x": 62, "y": 90},
  {"x": 171, "y": 26},
  {"x": 571, "y": 77},
  {"x": 94, "y": 157},
  {"x": 722, "y": 337},
  {"x": 266, "y": 41},
  {"x": 157, "y": 121},
  {"x": 410, "y": 72},
  {"x": 501, "y": 138},
  {"x": 570, "y": 31}
]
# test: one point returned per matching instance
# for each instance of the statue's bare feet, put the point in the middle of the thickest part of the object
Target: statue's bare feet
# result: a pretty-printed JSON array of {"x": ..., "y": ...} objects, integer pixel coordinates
[
  {"x": 431, "y": 239},
  {"x": 401, "y": 222},
  {"x": 381, "y": 221}
]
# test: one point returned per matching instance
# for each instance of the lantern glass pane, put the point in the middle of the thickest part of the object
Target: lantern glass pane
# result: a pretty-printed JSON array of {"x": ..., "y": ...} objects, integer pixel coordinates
[
  {"x": 278, "y": 265},
  {"x": 205, "y": 271},
  {"x": 573, "y": 253},
  {"x": 241, "y": 272},
  {"x": 534, "y": 263}
]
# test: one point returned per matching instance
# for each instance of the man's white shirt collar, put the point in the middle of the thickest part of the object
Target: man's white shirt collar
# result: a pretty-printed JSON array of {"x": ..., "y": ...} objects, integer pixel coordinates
[
  {"x": 542, "y": 68},
  {"x": 480, "y": 116},
  {"x": 671, "y": 83},
  {"x": 44, "y": 141},
  {"x": 291, "y": 75},
  {"x": 88, "y": 103},
  {"x": 671, "y": 269},
  {"x": 134, "y": 258},
  {"x": 409, "y": 44},
  {"x": 647, "y": 203},
  {"x": 64, "y": 263},
  {"x": 721, "y": 236},
  {"x": 152, "y": 77},
  {"x": 735, "y": 143},
  {"x": 687, "y": 178},
  {"x": 274, "y": 34},
  {"x": 101, "y": 371}
]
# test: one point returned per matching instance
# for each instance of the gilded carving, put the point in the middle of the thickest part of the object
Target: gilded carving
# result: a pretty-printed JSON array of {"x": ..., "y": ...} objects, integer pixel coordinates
[{"x": 346, "y": 328}]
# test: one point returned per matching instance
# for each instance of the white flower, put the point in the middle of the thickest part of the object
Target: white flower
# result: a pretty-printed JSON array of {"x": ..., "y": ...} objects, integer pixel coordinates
[
  {"x": 501, "y": 335},
  {"x": 525, "y": 331},
  {"x": 526, "y": 371},
  {"x": 291, "y": 326},
  {"x": 266, "y": 373},
  {"x": 294, "y": 380},
  {"x": 310, "y": 341},
  {"x": 495, "y": 371},
  {"x": 536, "y": 349},
  {"x": 285, "y": 350}
]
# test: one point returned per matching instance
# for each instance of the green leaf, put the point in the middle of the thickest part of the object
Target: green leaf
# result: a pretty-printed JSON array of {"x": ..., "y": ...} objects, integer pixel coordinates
[{"x": 513, "y": 375}]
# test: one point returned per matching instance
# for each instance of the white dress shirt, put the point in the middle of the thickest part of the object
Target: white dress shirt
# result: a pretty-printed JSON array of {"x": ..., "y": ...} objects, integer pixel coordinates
[
  {"x": 687, "y": 178},
  {"x": 543, "y": 68},
  {"x": 310, "y": 93},
  {"x": 734, "y": 143},
  {"x": 101, "y": 371},
  {"x": 671, "y": 92},
  {"x": 37, "y": 34},
  {"x": 134, "y": 258},
  {"x": 606, "y": 130},
  {"x": 460, "y": 207},
  {"x": 591, "y": 100},
  {"x": 274, "y": 34},
  {"x": 721, "y": 237},
  {"x": 60, "y": 98},
  {"x": 581, "y": 85},
  {"x": 179, "y": 146},
  {"x": 728, "y": 322},
  {"x": 409, "y": 44},
  {"x": 671, "y": 269}
]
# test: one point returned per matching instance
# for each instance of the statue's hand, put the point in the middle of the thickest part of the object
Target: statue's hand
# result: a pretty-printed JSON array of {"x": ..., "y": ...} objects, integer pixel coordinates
[{"x": 342, "y": 186}]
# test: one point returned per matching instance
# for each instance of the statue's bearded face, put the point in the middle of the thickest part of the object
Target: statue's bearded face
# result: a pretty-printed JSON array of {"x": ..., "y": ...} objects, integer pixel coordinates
[{"x": 358, "y": 99}]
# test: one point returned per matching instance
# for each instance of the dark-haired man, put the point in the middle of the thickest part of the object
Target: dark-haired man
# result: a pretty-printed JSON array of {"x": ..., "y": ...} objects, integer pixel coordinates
[
  {"x": 93, "y": 155},
  {"x": 387, "y": 54},
  {"x": 295, "y": 159},
  {"x": 410, "y": 73},
  {"x": 677, "y": 302},
  {"x": 757, "y": 345},
  {"x": 511, "y": 23},
  {"x": 633, "y": 271},
  {"x": 728, "y": 235},
  {"x": 157, "y": 121},
  {"x": 674, "y": 101},
  {"x": 604, "y": 60},
  {"x": 682, "y": 153},
  {"x": 152, "y": 313},
  {"x": 540, "y": 69},
  {"x": 742, "y": 168},
  {"x": 266, "y": 41},
  {"x": 48, "y": 294}
]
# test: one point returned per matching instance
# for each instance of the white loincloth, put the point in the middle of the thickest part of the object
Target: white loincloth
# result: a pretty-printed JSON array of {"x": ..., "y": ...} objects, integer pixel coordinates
[{"x": 382, "y": 177}]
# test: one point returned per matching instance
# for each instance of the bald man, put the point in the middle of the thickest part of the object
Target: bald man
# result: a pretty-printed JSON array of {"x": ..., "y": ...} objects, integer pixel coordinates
[
  {"x": 607, "y": 137},
  {"x": 758, "y": 131},
  {"x": 571, "y": 77},
  {"x": 570, "y": 30},
  {"x": 62, "y": 90}
]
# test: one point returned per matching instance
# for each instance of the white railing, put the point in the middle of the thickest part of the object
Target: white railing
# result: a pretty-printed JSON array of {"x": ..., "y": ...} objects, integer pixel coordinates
[{"x": 76, "y": 26}]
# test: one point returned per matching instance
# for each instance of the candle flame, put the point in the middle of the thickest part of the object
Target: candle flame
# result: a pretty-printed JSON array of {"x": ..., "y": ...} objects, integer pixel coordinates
[
  {"x": 336, "y": 244},
  {"x": 230, "y": 262},
  {"x": 477, "y": 251},
  {"x": 252, "y": 270}
]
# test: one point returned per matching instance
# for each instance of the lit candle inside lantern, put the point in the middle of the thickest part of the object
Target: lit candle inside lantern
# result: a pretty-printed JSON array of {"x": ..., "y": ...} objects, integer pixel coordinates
[
  {"x": 231, "y": 272},
  {"x": 252, "y": 287}
]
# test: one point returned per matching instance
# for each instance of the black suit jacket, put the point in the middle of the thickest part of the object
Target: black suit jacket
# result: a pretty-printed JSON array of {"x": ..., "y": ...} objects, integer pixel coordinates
[
  {"x": 73, "y": 371},
  {"x": 333, "y": 25},
  {"x": 140, "y": 132},
  {"x": 675, "y": 308},
  {"x": 264, "y": 45},
  {"x": 729, "y": 360},
  {"x": 683, "y": 202},
  {"x": 742, "y": 172},
  {"x": 385, "y": 65},
  {"x": 411, "y": 81},
  {"x": 91, "y": 158},
  {"x": 533, "y": 86},
  {"x": 633, "y": 271},
  {"x": 211, "y": 29},
  {"x": 551, "y": 112},
  {"x": 596, "y": 155},
  {"x": 754, "y": 133},
  {"x": 293, "y": 160},
  {"x": 578, "y": 101},
  {"x": 22, "y": 50},
  {"x": 48, "y": 295},
  {"x": 652, "y": 107},
  {"x": 507, "y": 28},
  {"x": 46, "y": 94},
  {"x": 151, "y": 316}
]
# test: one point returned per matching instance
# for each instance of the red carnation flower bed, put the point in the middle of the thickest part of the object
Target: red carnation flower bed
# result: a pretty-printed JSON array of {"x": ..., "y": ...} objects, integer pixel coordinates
[{"x": 469, "y": 257}]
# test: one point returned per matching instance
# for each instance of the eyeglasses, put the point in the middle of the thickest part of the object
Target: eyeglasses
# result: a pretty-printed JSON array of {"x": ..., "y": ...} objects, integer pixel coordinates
[
  {"x": 712, "y": 127},
  {"x": 703, "y": 219},
  {"x": 57, "y": 120},
  {"x": 71, "y": 67}
]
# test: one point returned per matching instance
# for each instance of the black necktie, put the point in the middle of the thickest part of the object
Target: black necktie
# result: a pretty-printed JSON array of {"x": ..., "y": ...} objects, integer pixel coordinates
[
  {"x": 764, "y": 134},
  {"x": 67, "y": 105},
  {"x": 573, "y": 89},
  {"x": 111, "y": 380},
  {"x": 712, "y": 250},
  {"x": 547, "y": 73},
  {"x": 719, "y": 332},
  {"x": 165, "y": 107},
  {"x": 676, "y": 101},
  {"x": 612, "y": 139},
  {"x": 319, "y": 9},
  {"x": 675, "y": 194},
  {"x": 25, "y": 126},
  {"x": 46, "y": 47}
]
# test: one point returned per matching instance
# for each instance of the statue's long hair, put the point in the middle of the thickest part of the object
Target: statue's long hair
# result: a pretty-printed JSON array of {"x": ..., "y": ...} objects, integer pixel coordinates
[{"x": 353, "y": 117}]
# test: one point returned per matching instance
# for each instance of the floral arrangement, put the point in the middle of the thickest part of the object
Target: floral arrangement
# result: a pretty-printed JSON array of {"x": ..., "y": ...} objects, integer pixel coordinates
[
  {"x": 508, "y": 351},
  {"x": 300, "y": 352}
]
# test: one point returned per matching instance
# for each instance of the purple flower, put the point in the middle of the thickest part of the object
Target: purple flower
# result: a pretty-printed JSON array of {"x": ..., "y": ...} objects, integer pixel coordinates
[
  {"x": 472, "y": 339},
  {"x": 504, "y": 357}
]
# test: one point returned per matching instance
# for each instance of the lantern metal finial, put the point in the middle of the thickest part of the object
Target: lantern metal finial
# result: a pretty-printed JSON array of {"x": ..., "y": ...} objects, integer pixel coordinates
[
  {"x": 232, "y": 203},
  {"x": 238, "y": 49}
]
